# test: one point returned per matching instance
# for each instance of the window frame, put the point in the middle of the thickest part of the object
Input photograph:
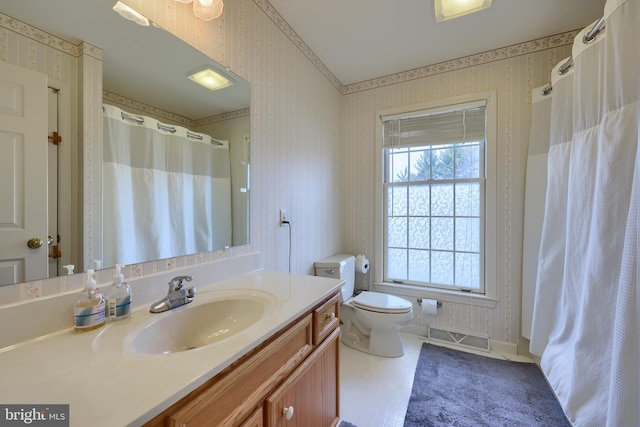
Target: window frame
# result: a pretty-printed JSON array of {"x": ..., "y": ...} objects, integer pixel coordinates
[{"x": 488, "y": 252}]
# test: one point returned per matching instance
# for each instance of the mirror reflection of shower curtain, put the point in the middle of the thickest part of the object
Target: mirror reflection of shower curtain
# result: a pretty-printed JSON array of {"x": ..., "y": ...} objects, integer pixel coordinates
[
  {"x": 164, "y": 194},
  {"x": 586, "y": 313}
]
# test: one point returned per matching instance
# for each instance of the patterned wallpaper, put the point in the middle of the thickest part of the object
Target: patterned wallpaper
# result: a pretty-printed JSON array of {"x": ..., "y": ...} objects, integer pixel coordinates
[
  {"x": 312, "y": 142},
  {"x": 513, "y": 78}
]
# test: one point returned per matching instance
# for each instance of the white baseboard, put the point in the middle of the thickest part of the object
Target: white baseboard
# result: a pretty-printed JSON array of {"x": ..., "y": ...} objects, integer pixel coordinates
[
  {"x": 504, "y": 347},
  {"x": 412, "y": 328}
]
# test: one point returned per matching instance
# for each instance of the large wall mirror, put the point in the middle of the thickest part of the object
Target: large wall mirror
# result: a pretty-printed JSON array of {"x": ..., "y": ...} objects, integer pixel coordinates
[{"x": 146, "y": 88}]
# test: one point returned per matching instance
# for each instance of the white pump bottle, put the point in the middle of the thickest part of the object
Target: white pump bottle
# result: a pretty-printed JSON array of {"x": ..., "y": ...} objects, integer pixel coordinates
[{"x": 118, "y": 297}]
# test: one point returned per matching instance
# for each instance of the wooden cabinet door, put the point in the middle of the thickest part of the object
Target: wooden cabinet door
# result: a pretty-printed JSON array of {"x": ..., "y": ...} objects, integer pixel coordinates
[{"x": 309, "y": 397}]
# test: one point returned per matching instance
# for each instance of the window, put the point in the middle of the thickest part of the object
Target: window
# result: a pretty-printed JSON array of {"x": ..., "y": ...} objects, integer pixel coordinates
[{"x": 434, "y": 197}]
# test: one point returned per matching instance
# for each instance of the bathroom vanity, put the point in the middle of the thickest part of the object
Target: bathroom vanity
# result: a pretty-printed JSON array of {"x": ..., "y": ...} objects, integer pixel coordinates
[
  {"x": 291, "y": 379},
  {"x": 274, "y": 363}
]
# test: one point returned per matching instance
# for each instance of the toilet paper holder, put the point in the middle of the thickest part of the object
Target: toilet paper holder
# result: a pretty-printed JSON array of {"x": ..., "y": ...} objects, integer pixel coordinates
[{"x": 438, "y": 303}]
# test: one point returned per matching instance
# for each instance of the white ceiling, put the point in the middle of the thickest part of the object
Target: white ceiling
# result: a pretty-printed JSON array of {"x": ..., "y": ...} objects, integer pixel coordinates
[{"x": 364, "y": 39}]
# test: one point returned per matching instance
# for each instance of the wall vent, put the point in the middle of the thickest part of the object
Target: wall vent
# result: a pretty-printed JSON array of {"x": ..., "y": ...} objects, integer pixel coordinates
[{"x": 461, "y": 338}]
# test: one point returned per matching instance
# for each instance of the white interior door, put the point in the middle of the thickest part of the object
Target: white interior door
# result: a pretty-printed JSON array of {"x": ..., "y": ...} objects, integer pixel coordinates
[{"x": 23, "y": 174}]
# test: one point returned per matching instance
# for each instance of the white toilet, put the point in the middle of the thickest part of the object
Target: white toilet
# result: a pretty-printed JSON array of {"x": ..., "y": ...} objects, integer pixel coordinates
[{"x": 371, "y": 321}]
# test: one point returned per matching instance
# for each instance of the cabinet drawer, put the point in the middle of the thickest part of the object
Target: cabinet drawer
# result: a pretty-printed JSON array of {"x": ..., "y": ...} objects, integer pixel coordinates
[
  {"x": 255, "y": 420},
  {"x": 232, "y": 395},
  {"x": 325, "y": 319}
]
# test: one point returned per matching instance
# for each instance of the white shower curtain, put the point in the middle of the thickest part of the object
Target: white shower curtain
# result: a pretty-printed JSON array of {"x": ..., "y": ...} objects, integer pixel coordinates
[
  {"x": 585, "y": 318},
  {"x": 165, "y": 193},
  {"x": 535, "y": 190}
]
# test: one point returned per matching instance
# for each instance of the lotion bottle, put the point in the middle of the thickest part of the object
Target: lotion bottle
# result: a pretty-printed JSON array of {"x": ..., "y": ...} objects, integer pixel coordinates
[
  {"x": 118, "y": 297},
  {"x": 89, "y": 311}
]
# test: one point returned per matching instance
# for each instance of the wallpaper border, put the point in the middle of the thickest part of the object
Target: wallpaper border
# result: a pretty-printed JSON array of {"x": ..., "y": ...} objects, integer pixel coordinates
[
  {"x": 494, "y": 55},
  {"x": 524, "y": 48},
  {"x": 536, "y": 45}
]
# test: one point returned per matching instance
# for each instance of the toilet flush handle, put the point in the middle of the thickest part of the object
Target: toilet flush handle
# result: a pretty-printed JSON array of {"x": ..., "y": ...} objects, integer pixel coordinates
[
  {"x": 332, "y": 272},
  {"x": 288, "y": 412}
]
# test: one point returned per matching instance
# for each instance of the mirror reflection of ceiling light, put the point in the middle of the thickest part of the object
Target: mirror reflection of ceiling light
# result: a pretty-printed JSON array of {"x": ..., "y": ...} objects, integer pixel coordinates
[
  {"x": 130, "y": 14},
  {"x": 206, "y": 10},
  {"x": 449, "y": 9},
  {"x": 210, "y": 79}
]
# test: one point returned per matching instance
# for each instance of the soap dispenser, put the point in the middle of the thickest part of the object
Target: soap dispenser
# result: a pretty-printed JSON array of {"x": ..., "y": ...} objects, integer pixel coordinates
[
  {"x": 89, "y": 311},
  {"x": 118, "y": 297}
]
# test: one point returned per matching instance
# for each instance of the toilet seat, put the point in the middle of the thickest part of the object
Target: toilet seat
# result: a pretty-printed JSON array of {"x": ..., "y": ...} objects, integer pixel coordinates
[{"x": 381, "y": 303}]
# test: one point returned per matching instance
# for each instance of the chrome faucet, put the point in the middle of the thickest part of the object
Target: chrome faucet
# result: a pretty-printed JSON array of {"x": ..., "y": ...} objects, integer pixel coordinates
[{"x": 177, "y": 295}]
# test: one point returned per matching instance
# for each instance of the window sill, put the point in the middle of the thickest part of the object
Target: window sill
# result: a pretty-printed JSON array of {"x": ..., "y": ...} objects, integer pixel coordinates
[{"x": 437, "y": 294}]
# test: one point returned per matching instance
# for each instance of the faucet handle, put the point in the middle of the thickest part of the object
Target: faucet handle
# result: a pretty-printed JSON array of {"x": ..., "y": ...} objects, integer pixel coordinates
[
  {"x": 191, "y": 292},
  {"x": 175, "y": 284}
]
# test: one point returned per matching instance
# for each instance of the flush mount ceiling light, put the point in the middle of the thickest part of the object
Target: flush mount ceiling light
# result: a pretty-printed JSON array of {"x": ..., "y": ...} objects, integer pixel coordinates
[
  {"x": 206, "y": 10},
  {"x": 210, "y": 79},
  {"x": 130, "y": 14},
  {"x": 449, "y": 9}
]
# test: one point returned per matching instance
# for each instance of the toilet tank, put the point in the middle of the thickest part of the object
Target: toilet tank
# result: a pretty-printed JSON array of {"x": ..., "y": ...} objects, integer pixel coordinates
[{"x": 339, "y": 266}]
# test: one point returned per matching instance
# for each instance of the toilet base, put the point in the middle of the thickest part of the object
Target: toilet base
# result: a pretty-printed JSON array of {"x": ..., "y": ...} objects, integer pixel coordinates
[{"x": 378, "y": 344}]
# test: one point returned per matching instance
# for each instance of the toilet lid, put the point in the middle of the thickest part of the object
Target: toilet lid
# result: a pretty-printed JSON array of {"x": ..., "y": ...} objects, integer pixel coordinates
[{"x": 381, "y": 303}]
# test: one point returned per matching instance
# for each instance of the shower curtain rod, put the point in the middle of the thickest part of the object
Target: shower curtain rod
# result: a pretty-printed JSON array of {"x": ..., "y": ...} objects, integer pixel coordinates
[
  {"x": 588, "y": 37},
  {"x": 564, "y": 68},
  {"x": 200, "y": 138},
  {"x": 594, "y": 31},
  {"x": 124, "y": 116},
  {"x": 167, "y": 128}
]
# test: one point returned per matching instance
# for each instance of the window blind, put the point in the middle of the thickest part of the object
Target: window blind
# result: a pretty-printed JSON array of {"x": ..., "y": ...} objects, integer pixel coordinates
[{"x": 430, "y": 127}]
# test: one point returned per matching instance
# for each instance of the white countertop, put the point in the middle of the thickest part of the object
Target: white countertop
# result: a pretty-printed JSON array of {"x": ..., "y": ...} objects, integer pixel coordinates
[{"x": 107, "y": 384}]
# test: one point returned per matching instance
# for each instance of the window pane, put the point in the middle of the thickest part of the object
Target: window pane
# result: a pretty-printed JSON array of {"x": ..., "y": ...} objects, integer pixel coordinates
[
  {"x": 468, "y": 270},
  {"x": 442, "y": 200},
  {"x": 468, "y": 199},
  {"x": 467, "y": 161},
  {"x": 442, "y": 267},
  {"x": 442, "y": 163},
  {"x": 397, "y": 264},
  {"x": 397, "y": 201},
  {"x": 419, "y": 203},
  {"x": 442, "y": 233},
  {"x": 420, "y": 165},
  {"x": 397, "y": 232},
  {"x": 399, "y": 168},
  {"x": 419, "y": 233},
  {"x": 468, "y": 234},
  {"x": 419, "y": 266}
]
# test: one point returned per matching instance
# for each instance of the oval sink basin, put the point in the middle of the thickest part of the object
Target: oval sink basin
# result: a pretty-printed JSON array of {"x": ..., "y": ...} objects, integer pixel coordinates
[{"x": 188, "y": 327}]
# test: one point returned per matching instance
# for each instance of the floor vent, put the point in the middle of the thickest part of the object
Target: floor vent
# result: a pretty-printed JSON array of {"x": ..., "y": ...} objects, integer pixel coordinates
[{"x": 461, "y": 338}]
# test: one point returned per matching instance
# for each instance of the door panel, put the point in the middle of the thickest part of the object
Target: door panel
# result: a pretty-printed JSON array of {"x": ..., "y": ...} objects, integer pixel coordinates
[{"x": 23, "y": 173}]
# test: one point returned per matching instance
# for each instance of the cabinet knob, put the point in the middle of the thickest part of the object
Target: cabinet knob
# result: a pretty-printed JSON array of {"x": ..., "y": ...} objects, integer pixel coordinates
[
  {"x": 288, "y": 412},
  {"x": 331, "y": 316}
]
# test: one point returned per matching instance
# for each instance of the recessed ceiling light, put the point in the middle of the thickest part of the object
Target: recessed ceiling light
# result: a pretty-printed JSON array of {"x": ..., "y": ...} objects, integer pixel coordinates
[
  {"x": 448, "y": 9},
  {"x": 210, "y": 79}
]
